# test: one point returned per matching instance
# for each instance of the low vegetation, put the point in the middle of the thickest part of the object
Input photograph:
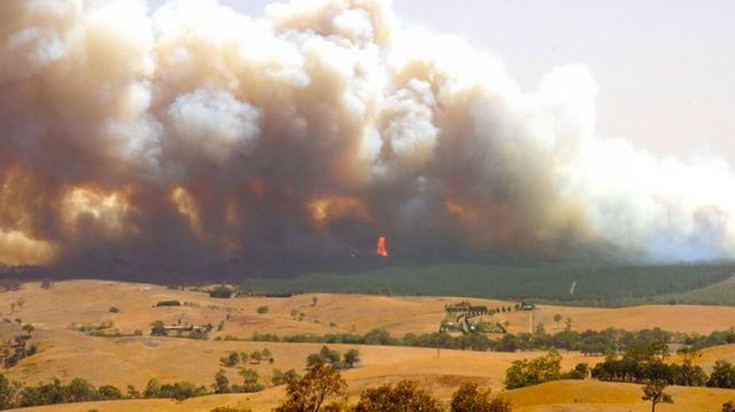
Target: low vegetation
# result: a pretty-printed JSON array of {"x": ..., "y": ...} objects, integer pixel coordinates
[{"x": 595, "y": 284}]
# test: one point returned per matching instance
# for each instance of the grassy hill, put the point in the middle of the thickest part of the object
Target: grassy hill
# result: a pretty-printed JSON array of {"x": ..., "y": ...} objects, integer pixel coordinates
[
  {"x": 577, "y": 284},
  {"x": 66, "y": 353},
  {"x": 568, "y": 396}
]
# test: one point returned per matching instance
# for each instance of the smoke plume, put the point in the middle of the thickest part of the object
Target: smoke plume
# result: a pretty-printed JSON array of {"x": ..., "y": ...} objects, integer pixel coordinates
[{"x": 192, "y": 133}]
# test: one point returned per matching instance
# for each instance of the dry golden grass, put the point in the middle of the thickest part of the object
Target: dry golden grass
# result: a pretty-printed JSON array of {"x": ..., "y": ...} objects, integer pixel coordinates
[
  {"x": 67, "y": 353},
  {"x": 584, "y": 396},
  {"x": 572, "y": 396}
]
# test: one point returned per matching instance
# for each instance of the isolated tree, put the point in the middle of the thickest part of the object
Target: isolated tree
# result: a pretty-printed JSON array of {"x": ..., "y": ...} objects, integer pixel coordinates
[
  {"x": 221, "y": 383},
  {"x": 250, "y": 381},
  {"x": 244, "y": 358},
  {"x": 351, "y": 357},
  {"x": 406, "y": 396},
  {"x": 256, "y": 356},
  {"x": 267, "y": 354},
  {"x": 654, "y": 392},
  {"x": 310, "y": 393},
  {"x": 557, "y": 319},
  {"x": 469, "y": 398},
  {"x": 232, "y": 359}
]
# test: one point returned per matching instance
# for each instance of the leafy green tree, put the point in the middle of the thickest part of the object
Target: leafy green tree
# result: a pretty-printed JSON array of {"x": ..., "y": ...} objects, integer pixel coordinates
[
  {"x": 7, "y": 393},
  {"x": 654, "y": 392},
  {"x": 109, "y": 392},
  {"x": 231, "y": 360},
  {"x": 469, "y": 398},
  {"x": 722, "y": 376},
  {"x": 256, "y": 356},
  {"x": 310, "y": 393},
  {"x": 351, "y": 357},
  {"x": 221, "y": 383},
  {"x": 81, "y": 390},
  {"x": 283, "y": 378},
  {"x": 267, "y": 354},
  {"x": 32, "y": 396},
  {"x": 406, "y": 396},
  {"x": 557, "y": 319},
  {"x": 688, "y": 374},
  {"x": 133, "y": 392},
  {"x": 525, "y": 373},
  {"x": 244, "y": 358},
  {"x": 250, "y": 381},
  {"x": 152, "y": 389}
]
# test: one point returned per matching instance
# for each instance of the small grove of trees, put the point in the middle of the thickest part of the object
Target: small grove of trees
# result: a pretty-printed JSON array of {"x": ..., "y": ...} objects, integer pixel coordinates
[
  {"x": 177, "y": 390},
  {"x": 532, "y": 372},
  {"x": 685, "y": 374},
  {"x": 334, "y": 359},
  {"x": 249, "y": 384},
  {"x": 469, "y": 397},
  {"x": 232, "y": 359},
  {"x": 221, "y": 292},
  {"x": 324, "y": 389},
  {"x": 15, "y": 394},
  {"x": 404, "y": 396}
]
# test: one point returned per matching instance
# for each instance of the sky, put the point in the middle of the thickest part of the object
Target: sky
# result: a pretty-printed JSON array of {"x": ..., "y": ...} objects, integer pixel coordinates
[{"x": 664, "y": 67}]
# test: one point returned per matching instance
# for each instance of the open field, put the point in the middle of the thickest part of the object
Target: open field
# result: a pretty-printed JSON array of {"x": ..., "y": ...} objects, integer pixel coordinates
[{"x": 67, "y": 353}]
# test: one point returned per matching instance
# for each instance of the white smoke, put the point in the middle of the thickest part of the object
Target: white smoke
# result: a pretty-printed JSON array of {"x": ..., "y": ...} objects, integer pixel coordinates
[{"x": 312, "y": 131}]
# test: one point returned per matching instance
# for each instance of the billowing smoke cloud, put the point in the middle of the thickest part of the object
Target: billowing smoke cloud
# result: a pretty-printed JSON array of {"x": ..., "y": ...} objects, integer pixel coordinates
[{"x": 192, "y": 133}]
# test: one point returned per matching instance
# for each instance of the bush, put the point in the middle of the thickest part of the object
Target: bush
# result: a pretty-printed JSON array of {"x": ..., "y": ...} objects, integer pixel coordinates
[
  {"x": 168, "y": 303},
  {"x": 113, "y": 309},
  {"x": 221, "y": 292},
  {"x": 262, "y": 309}
]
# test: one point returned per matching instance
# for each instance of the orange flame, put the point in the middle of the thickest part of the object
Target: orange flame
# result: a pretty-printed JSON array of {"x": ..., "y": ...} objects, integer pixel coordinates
[{"x": 380, "y": 248}]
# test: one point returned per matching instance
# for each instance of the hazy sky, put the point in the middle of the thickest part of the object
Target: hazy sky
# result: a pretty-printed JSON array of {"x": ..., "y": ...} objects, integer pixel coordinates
[{"x": 665, "y": 67}]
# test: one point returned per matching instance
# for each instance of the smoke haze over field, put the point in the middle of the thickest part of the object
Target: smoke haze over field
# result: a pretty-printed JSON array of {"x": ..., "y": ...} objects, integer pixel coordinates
[{"x": 193, "y": 133}]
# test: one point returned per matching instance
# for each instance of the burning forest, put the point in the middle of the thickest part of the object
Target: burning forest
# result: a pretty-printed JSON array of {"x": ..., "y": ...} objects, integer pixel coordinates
[{"x": 193, "y": 133}]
